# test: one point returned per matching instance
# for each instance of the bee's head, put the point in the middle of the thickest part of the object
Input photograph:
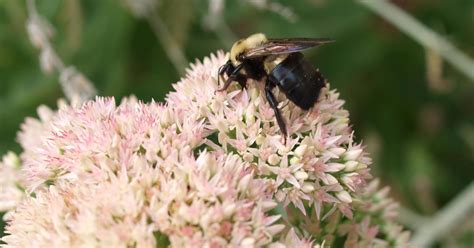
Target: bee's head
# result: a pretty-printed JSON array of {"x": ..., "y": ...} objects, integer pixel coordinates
[
  {"x": 226, "y": 69},
  {"x": 242, "y": 45}
]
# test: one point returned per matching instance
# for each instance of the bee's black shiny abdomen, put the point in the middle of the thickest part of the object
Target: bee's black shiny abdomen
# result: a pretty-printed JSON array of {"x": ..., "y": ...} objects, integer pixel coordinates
[{"x": 298, "y": 79}]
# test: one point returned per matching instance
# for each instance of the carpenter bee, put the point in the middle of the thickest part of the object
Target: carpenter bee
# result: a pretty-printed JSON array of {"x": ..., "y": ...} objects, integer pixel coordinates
[{"x": 277, "y": 62}]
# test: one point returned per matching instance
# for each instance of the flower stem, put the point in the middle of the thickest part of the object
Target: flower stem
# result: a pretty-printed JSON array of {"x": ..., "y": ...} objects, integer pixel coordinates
[
  {"x": 174, "y": 52},
  {"x": 411, "y": 219},
  {"x": 422, "y": 34},
  {"x": 445, "y": 219},
  {"x": 75, "y": 86}
]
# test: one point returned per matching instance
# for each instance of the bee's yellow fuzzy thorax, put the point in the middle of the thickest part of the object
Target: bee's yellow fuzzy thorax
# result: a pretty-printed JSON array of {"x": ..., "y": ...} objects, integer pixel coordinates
[{"x": 244, "y": 44}]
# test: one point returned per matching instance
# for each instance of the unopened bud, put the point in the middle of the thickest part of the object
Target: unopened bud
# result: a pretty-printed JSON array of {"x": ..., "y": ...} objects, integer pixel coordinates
[
  {"x": 351, "y": 165},
  {"x": 273, "y": 159},
  {"x": 301, "y": 175},
  {"x": 300, "y": 150},
  {"x": 307, "y": 187},
  {"x": 344, "y": 196},
  {"x": 353, "y": 154}
]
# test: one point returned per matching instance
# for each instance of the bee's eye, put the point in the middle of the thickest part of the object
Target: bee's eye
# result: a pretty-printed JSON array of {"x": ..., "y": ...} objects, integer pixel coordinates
[{"x": 240, "y": 57}]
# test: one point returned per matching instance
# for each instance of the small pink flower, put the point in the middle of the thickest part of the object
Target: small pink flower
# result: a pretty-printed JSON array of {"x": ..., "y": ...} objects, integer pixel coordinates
[
  {"x": 10, "y": 182},
  {"x": 292, "y": 240}
]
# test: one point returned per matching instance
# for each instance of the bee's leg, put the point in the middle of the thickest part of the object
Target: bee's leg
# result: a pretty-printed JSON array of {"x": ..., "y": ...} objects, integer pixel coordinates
[
  {"x": 274, "y": 104},
  {"x": 242, "y": 80},
  {"x": 232, "y": 77},
  {"x": 225, "y": 69}
]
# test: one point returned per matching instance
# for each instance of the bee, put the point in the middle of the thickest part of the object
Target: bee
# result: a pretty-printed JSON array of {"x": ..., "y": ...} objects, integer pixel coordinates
[{"x": 277, "y": 63}]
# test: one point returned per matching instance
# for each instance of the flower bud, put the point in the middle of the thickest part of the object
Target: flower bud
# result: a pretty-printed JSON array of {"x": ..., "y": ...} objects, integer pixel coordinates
[
  {"x": 301, "y": 175},
  {"x": 268, "y": 205},
  {"x": 283, "y": 150},
  {"x": 274, "y": 159},
  {"x": 307, "y": 187},
  {"x": 248, "y": 242},
  {"x": 361, "y": 166},
  {"x": 229, "y": 209},
  {"x": 244, "y": 182},
  {"x": 351, "y": 165},
  {"x": 260, "y": 139},
  {"x": 295, "y": 160},
  {"x": 300, "y": 150},
  {"x": 337, "y": 150},
  {"x": 330, "y": 180},
  {"x": 344, "y": 196},
  {"x": 275, "y": 229},
  {"x": 353, "y": 154},
  {"x": 11, "y": 160},
  {"x": 248, "y": 157},
  {"x": 335, "y": 167},
  {"x": 332, "y": 140}
]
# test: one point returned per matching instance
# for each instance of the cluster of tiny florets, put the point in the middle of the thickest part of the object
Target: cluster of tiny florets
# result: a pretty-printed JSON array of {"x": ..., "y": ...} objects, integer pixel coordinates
[
  {"x": 205, "y": 169},
  {"x": 318, "y": 165}
]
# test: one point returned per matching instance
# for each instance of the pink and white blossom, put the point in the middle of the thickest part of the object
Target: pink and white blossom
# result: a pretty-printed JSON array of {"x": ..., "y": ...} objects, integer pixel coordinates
[
  {"x": 203, "y": 169},
  {"x": 11, "y": 193}
]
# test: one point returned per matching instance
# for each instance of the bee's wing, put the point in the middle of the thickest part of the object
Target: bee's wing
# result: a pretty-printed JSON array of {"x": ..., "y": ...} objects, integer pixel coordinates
[{"x": 282, "y": 46}]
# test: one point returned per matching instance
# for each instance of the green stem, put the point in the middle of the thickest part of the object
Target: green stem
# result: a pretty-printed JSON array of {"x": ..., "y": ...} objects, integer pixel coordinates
[
  {"x": 422, "y": 34},
  {"x": 446, "y": 219},
  {"x": 174, "y": 52}
]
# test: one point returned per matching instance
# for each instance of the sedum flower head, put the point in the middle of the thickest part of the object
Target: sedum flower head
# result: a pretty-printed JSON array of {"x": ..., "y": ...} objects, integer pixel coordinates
[
  {"x": 146, "y": 157},
  {"x": 319, "y": 165},
  {"x": 205, "y": 169}
]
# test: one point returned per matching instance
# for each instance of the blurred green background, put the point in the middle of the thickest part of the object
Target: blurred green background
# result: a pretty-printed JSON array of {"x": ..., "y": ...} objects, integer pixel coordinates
[{"x": 414, "y": 112}]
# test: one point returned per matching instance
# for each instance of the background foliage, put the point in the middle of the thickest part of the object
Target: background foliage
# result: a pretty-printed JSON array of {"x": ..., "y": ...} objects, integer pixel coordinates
[{"x": 415, "y": 114}]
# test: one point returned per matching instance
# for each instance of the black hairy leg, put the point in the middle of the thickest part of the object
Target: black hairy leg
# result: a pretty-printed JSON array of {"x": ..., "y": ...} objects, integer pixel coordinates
[{"x": 274, "y": 104}]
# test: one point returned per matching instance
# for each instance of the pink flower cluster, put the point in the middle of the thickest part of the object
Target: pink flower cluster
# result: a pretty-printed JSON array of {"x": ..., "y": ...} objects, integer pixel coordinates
[
  {"x": 319, "y": 164},
  {"x": 205, "y": 169}
]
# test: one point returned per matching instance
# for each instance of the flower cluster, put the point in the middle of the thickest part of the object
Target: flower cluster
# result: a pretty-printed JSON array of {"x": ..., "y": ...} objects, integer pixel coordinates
[
  {"x": 205, "y": 169},
  {"x": 318, "y": 165},
  {"x": 144, "y": 155},
  {"x": 82, "y": 215}
]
